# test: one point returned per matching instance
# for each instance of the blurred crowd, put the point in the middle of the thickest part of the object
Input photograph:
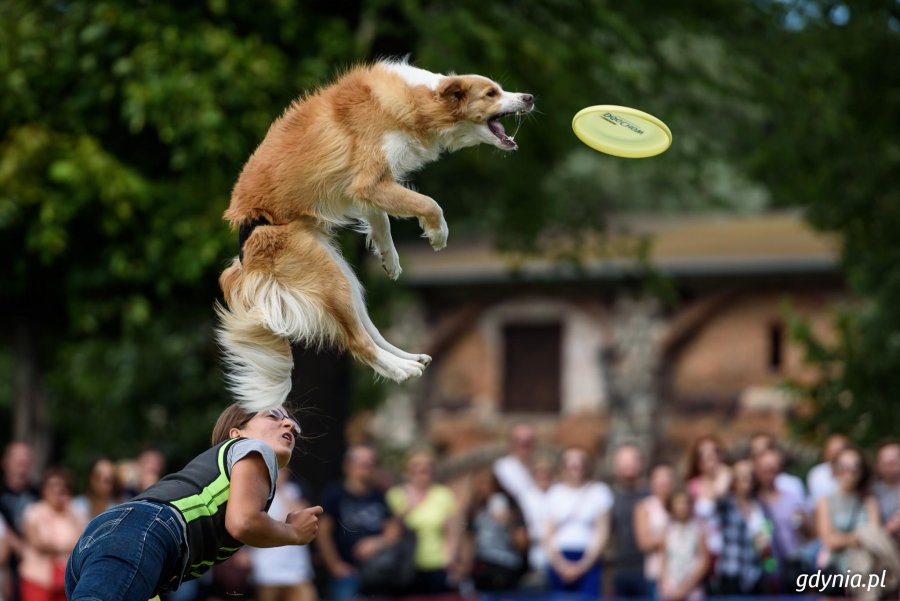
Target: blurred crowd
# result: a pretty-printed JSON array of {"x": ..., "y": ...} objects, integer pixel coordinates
[{"x": 535, "y": 524}]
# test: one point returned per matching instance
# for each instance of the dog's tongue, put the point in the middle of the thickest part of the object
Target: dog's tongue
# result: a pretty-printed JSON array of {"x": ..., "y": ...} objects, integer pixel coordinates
[{"x": 497, "y": 128}]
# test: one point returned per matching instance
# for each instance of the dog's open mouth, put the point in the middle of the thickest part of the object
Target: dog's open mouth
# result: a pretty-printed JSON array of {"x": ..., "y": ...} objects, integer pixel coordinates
[{"x": 497, "y": 129}]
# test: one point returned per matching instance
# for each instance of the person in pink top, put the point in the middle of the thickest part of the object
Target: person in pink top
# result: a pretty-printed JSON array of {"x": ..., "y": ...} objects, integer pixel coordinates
[
  {"x": 51, "y": 528},
  {"x": 651, "y": 519}
]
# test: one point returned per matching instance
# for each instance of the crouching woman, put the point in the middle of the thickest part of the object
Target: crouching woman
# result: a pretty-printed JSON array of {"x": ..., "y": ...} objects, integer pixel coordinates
[{"x": 195, "y": 518}]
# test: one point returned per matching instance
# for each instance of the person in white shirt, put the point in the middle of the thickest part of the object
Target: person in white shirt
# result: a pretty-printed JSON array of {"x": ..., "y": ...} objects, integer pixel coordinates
[
  {"x": 284, "y": 573},
  {"x": 821, "y": 480},
  {"x": 535, "y": 510},
  {"x": 578, "y": 527},
  {"x": 513, "y": 471}
]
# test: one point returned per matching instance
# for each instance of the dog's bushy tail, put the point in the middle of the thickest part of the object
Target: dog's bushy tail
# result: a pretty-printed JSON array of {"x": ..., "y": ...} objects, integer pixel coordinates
[
  {"x": 256, "y": 330},
  {"x": 257, "y": 357},
  {"x": 257, "y": 363}
]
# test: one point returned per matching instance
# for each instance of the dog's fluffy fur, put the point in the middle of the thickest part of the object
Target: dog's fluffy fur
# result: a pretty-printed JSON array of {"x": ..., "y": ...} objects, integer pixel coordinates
[{"x": 336, "y": 158}]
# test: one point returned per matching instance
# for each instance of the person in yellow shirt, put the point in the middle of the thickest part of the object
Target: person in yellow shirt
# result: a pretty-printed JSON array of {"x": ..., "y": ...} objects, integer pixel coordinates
[{"x": 431, "y": 511}]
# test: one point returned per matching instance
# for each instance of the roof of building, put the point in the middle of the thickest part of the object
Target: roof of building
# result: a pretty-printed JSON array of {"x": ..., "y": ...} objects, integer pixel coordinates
[{"x": 710, "y": 245}]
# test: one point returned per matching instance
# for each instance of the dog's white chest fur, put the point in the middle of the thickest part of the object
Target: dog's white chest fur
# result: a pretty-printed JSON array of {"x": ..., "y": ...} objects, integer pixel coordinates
[{"x": 406, "y": 155}]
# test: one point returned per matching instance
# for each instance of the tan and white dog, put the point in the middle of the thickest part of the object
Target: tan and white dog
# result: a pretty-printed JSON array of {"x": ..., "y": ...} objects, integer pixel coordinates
[{"x": 338, "y": 157}]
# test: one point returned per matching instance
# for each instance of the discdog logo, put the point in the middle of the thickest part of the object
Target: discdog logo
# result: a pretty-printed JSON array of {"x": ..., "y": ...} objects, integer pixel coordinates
[
  {"x": 623, "y": 122},
  {"x": 817, "y": 581}
]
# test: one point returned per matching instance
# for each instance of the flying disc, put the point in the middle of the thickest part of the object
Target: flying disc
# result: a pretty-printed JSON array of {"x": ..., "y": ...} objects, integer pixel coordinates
[{"x": 621, "y": 131}]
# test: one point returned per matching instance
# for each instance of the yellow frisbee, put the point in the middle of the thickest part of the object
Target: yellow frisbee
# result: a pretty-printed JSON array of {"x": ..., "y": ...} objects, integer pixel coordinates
[{"x": 621, "y": 131}]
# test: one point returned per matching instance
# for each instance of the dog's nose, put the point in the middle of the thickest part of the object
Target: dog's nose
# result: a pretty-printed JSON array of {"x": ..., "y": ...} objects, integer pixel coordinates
[{"x": 527, "y": 99}]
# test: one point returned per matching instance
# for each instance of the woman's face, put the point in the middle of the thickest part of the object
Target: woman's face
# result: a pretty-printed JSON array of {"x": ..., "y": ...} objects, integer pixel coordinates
[
  {"x": 543, "y": 475},
  {"x": 56, "y": 493},
  {"x": 681, "y": 507},
  {"x": 574, "y": 468},
  {"x": 662, "y": 481},
  {"x": 103, "y": 478},
  {"x": 420, "y": 471},
  {"x": 848, "y": 470},
  {"x": 274, "y": 427},
  {"x": 743, "y": 479},
  {"x": 768, "y": 466},
  {"x": 709, "y": 457}
]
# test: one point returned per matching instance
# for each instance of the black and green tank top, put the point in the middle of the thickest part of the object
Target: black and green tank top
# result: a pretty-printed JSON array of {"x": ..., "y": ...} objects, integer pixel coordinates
[{"x": 200, "y": 492}]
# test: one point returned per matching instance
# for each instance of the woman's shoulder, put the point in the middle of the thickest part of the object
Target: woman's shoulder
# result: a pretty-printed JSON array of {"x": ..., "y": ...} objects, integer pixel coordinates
[
  {"x": 36, "y": 511},
  {"x": 601, "y": 491},
  {"x": 443, "y": 494},
  {"x": 395, "y": 497}
]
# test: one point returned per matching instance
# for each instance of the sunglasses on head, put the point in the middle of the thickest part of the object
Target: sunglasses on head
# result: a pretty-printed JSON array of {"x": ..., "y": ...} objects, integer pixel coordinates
[{"x": 280, "y": 414}]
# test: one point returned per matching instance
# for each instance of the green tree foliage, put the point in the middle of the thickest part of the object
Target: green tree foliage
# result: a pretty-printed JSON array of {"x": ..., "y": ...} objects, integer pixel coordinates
[
  {"x": 123, "y": 128},
  {"x": 833, "y": 149}
]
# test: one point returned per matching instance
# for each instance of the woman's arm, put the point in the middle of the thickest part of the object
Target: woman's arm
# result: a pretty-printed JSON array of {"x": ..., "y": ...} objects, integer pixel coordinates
[
  {"x": 872, "y": 512},
  {"x": 831, "y": 538},
  {"x": 36, "y": 537},
  {"x": 556, "y": 559},
  {"x": 245, "y": 515},
  {"x": 453, "y": 537},
  {"x": 336, "y": 566},
  {"x": 722, "y": 483},
  {"x": 592, "y": 553},
  {"x": 646, "y": 541}
]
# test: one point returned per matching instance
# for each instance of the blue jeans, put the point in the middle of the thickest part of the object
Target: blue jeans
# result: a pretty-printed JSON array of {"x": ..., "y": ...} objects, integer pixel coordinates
[
  {"x": 127, "y": 553},
  {"x": 344, "y": 588}
]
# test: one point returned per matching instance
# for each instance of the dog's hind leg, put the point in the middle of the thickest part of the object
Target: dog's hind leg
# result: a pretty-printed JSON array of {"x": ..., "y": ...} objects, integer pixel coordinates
[
  {"x": 359, "y": 305},
  {"x": 335, "y": 289}
]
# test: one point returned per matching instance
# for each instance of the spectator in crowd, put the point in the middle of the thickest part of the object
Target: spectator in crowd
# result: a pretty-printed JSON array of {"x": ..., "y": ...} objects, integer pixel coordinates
[
  {"x": 150, "y": 466},
  {"x": 101, "y": 491},
  {"x": 840, "y": 513},
  {"x": 16, "y": 493},
  {"x": 887, "y": 487},
  {"x": 513, "y": 470},
  {"x": 231, "y": 579},
  {"x": 628, "y": 491},
  {"x": 497, "y": 540},
  {"x": 283, "y": 573},
  {"x": 356, "y": 522},
  {"x": 430, "y": 510},
  {"x": 4, "y": 557},
  {"x": 685, "y": 559},
  {"x": 821, "y": 480},
  {"x": 51, "y": 527},
  {"x": 788, "y": 518},
  {"x": 760, "y": 443},
  {"x": 745, "y": 536},
  {"x": 708, "y": 481},
  {"x": 535, "y": 509},
  {"x": 578, "y": 527},
  {"x": 650, "y": 521}
]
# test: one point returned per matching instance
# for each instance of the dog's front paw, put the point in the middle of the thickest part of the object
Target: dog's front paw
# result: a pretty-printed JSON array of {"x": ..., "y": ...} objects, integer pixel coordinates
[
  {"x": 390, "y": 262},
  {"x": 438, "y": 236}
]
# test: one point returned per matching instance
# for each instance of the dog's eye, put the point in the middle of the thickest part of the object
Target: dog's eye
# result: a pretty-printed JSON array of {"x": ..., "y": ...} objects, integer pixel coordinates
[{"x": 491, "y": 93}]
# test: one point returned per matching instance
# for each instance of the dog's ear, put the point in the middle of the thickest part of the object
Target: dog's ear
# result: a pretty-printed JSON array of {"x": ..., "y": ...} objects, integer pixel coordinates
[{"x": 453, "y": 91}]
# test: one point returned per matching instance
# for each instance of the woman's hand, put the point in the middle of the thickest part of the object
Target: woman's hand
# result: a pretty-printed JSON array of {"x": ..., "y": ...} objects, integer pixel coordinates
[
  {"x": 570, "y": 572},
  {"x": 305, "y": 523}
]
